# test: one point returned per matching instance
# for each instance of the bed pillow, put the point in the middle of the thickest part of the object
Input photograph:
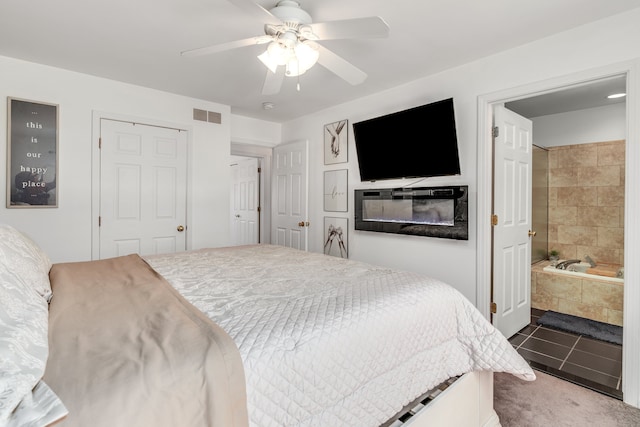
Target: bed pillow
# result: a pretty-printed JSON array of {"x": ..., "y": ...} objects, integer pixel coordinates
[
  {"x": 26, "y": 260},
  {"x": 24, "y": 318},
  {"x": 24, "y": 344}
]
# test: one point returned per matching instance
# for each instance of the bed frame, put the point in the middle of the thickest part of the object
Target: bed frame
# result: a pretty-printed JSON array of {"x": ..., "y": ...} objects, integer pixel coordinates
[{"x": 441, "y": 407}]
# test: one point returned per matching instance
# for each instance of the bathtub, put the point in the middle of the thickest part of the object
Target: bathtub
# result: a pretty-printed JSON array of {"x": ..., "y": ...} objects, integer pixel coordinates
[
  {"x": 568, "y": 271},
  {"x": 586, "y": 295}
]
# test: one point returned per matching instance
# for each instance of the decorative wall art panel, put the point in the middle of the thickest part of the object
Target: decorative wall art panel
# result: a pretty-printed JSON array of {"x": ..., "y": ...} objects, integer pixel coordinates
[
  {"x": 336, "y": 237},
  {"x": 32, "y": 154},
  {"x": 336, "y": 142},
  {"x": 335, "y": 190}
]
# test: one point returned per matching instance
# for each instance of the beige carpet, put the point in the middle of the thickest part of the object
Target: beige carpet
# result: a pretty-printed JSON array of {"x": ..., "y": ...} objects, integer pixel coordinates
[{"x": 550, "y": 401}]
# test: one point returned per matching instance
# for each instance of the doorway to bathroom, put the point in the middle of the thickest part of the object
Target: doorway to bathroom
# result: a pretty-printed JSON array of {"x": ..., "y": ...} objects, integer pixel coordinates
[
  {"x": 578, "y": 188},
  {"x": 630, "y": 371},
  {"x": 578, "y": 169}
]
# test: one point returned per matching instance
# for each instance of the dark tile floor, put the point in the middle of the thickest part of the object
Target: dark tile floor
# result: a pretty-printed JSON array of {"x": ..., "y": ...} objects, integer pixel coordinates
[{"x": 590, "y": 363}]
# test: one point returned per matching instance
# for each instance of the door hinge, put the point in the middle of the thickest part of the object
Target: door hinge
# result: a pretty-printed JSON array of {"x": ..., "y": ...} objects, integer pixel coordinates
[
  {"x": 259, "y": 170},
  {"x": 99, "y": 221},
  {"x": 100, "y": 143},
  {"x": 495, "y": 132},
  {"x": 494, "y": 219},
  {"x": 494, "y": 308},
  {"x": 258, "y": 208}
]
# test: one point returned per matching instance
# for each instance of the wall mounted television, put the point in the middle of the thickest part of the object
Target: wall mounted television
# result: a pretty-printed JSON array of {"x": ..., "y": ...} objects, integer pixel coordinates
[{"x": 413, "y": 143}]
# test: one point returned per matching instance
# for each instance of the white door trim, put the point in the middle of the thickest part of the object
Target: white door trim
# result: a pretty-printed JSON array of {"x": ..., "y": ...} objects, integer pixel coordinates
[
  {"x": 631, "y": 331},
  {"x": 97, "y": 116}
]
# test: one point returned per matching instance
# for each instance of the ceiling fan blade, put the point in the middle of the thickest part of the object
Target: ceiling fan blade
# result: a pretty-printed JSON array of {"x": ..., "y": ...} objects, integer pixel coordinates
[
  {"x": 373, "y": 26},
  {"x": 273, "y": 81},
  {"x": 340, "y": 66},
  {"x": 257, "y": 11},
  {"x": 207, "y": 50}
]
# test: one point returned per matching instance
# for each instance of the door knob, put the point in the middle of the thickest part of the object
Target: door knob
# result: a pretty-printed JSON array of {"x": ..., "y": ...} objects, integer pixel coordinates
[
  {"x": 301, "y": 224},
  {"x": 180, "y": 228},
  {"x": 532, "y": 233}
]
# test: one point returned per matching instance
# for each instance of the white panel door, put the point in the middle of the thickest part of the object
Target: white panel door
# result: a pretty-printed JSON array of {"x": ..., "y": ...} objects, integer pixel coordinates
[
  {"x": 143, "y": 183},
  {"x": 245, "y": 201},
  {"x": 289, "y": 195},
  {"x": 511, "y": 233}
]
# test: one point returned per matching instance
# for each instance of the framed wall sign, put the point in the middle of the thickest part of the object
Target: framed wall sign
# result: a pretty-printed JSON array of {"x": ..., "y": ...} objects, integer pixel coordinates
[
  {"x": 336, "y": 237},
  {"x": 32, "y": 154},
  {"x": 335, "y": 190},
  {"x": 336, "y": 142}
]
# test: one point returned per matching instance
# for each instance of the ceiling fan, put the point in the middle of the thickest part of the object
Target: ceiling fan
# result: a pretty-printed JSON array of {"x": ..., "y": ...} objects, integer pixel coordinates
[{"x": 293, "y": 47}]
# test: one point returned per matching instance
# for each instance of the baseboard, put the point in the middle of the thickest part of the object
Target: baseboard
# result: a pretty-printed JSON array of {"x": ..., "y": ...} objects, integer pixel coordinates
[{"x": 492, "y": 421}]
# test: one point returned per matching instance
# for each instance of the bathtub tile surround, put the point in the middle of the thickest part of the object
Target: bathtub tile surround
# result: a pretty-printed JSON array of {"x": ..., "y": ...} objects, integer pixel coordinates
[
  {"x": 590, "y": 297},
  {"x": 586, "y": 201},
  {"x": 601, "y": 293}
]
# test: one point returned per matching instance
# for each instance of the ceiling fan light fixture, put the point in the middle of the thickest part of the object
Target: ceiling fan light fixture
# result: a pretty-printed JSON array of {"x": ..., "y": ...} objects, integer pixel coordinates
[
  {"x": 293, "y": 68},
  {"x": 267, "y": 61},
  {"x": 304, "y": 56},
  {"x": 297, "y": 59},
  {"x": 276, "y": 54},
  {"x": 307, "y": 53}
]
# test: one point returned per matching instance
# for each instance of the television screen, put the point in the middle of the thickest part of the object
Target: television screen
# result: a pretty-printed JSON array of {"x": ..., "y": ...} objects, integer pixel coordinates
[{"x": 413, "y": 143}]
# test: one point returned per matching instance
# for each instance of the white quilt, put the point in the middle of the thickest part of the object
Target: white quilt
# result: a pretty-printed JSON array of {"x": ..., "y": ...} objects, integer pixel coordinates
[{"x": 333, "y": 342}]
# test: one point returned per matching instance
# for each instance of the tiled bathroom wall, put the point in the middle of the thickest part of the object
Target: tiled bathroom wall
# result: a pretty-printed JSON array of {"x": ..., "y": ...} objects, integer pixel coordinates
[
  {"x": 586, "y": 201},
  {"x": 586, "y": 217}
]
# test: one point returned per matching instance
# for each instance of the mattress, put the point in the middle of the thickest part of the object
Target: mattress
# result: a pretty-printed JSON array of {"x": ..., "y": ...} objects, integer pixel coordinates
[{"x": 333, "y": 342}]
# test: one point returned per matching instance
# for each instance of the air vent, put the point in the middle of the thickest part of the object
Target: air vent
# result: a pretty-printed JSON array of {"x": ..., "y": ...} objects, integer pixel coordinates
[
  {"x": 214, "y": 117},
  {"x": 207, "y": 116},
  {"x": 199, "y": 115}
]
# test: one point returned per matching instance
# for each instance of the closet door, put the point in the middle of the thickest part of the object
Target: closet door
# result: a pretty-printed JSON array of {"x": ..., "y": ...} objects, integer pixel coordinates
[{"x": 143, "y": 183}]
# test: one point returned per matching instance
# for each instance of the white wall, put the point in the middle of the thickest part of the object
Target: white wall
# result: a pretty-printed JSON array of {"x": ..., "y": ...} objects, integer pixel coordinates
[
  {"x": 596, "y": 45},
  {"x": 247, "y": 130},
  {"x": 581, "y": 127},
  {"x": 65, "y": 232}
]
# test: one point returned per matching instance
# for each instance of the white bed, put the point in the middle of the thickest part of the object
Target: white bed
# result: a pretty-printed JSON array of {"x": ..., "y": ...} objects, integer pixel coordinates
[
  {"x": 277, "y": 337},
  {"x": 333, "y": 342}
]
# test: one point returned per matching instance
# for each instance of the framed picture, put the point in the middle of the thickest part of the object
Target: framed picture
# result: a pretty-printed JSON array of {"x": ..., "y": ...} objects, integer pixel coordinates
[
  {"x": 336, "y": 237},
  {"x": 335, "y": 190},
  {"x": 336, "y": 142},
  {"x": 32, "y": 154}
]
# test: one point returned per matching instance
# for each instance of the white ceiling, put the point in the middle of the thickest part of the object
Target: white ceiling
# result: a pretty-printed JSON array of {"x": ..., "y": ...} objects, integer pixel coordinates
[
  {"x": 139, "y": 42},
  {"x": 579, "y": 97}
]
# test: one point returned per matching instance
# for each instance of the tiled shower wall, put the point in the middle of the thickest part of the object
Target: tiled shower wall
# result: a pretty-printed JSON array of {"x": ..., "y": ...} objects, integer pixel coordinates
[{"x": 586, "y": 201}]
